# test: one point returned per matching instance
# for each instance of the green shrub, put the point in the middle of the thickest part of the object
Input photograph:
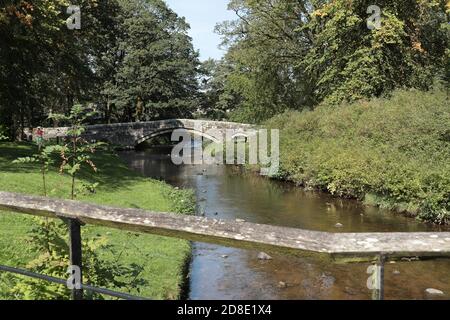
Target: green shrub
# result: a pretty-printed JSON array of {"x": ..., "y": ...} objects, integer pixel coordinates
[{"x": 391, "y": 152}]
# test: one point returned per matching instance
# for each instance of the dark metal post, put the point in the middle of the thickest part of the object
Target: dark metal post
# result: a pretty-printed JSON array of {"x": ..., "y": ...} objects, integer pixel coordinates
[
  {"x": 378, "y": 292},
  {"x": 75, "y": 253}
]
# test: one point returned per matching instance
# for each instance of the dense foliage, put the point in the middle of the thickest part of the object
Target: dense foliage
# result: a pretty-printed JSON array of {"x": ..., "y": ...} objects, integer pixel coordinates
[
  {"x": 296, "y": 54},
  {"x": 389, "y": 152},
  {"x": 131, "y": 60},
  {"x": 156, "y": 67}
]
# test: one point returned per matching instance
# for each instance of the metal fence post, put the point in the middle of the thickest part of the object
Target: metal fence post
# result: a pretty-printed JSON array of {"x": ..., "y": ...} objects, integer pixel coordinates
[{"x": 75, "y": 254}]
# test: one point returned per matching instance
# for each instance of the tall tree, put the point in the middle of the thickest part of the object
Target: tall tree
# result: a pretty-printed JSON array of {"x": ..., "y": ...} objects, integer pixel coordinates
[
  {"x": 408, "y": 50},
  {"x": 218, "y": 99},
  {"x": 157, "y": 71},
  {"x": 45, "y": 66},
  {"x": 296, "y": 54}
]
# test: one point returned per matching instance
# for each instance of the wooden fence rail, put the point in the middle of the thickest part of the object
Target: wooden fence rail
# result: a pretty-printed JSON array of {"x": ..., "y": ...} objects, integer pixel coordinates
[{"x": 345, "y": 247}]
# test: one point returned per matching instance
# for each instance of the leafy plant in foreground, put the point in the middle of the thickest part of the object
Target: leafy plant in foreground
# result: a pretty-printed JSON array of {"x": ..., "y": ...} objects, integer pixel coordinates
[
  {"x": 77, "y": 151},
  {"x": 50, "y": 239}
]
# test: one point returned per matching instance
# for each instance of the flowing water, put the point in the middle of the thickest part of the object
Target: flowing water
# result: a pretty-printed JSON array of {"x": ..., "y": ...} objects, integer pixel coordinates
[{"x": 227, "y": 273}]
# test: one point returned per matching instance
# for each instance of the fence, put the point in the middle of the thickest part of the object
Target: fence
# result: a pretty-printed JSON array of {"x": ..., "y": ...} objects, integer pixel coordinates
[{"x": 339, "y": 247}]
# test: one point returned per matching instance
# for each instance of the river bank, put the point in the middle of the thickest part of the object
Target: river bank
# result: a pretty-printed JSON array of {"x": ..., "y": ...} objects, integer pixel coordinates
[
  {"x": 229, "y": 193},
  {"x": 159, "y": 263},
  {"x": 391, "y": 153}
]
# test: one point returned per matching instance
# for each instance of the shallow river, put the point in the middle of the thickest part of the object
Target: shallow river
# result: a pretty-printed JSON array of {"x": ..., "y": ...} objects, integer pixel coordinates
[{"x": 226, "y": 273}]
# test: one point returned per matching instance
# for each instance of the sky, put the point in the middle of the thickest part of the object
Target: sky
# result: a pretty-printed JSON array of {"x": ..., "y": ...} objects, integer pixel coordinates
[{"x": 203, "y": 15}]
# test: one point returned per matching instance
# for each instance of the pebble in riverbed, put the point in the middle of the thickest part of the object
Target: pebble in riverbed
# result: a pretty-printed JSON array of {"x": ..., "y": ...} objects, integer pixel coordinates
[
  {"x": 282, "y": 285},
  {"x": 327, "y": 281},
  {"x": 434, "y": 292},
  {"x": 264, "y": 256}
]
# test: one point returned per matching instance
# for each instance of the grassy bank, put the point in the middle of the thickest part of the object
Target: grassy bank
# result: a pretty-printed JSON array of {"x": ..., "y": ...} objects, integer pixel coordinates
[
  {"x": 393, "y": 153},
  {"x": 159, "y": 262}
]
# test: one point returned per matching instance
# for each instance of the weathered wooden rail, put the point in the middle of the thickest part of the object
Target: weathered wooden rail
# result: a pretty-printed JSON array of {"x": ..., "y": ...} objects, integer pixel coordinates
[{"x": 343, "y": 247}]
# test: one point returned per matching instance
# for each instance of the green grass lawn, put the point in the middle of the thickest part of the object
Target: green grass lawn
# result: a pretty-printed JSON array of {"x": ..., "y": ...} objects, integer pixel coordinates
[{"x": 163, "y": 260}]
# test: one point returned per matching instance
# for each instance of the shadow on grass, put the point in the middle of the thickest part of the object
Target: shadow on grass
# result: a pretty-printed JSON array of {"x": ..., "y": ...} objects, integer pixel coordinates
[
  {"x": 112, "y": 171},
  {"x": 11, "y": 151}
]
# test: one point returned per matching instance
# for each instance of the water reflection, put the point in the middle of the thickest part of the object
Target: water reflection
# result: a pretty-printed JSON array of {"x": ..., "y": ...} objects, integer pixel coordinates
[{"x": 227, "y": 273}]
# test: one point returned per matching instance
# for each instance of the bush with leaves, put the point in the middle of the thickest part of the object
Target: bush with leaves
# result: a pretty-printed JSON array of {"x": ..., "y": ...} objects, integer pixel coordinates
[
  {"x": 394, "y": 153},
  {"x": 77, "y": 151},
  {"x": 50, "y": 238}
]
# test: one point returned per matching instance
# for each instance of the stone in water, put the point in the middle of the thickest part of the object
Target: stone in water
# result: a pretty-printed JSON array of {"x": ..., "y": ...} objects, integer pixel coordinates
[
  {"x": 264, "y": 256},
  {"x": 434, "y": 292}
]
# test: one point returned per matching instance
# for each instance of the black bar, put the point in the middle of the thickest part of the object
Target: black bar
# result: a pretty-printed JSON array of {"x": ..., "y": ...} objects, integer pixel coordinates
[{"x": 76, "y": 254}]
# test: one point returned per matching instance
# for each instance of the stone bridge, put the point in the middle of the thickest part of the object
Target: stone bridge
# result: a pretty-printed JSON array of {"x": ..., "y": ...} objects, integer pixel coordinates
[{"x": 129, "y": 135}]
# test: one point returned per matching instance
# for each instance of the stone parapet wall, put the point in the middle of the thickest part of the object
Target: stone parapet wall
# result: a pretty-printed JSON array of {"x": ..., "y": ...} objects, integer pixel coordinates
[{"x": 128, "y": 135}]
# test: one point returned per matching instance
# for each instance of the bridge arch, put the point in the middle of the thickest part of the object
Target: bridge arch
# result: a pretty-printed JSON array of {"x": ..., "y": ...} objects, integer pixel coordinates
[
  {"x": 169, "y": 130},
  {"x": 129, "y": 135}
]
